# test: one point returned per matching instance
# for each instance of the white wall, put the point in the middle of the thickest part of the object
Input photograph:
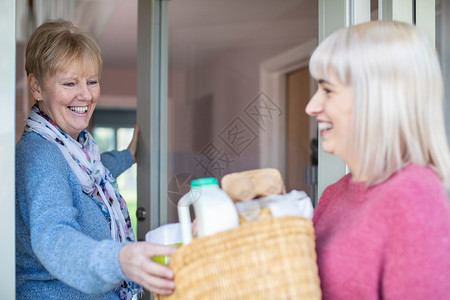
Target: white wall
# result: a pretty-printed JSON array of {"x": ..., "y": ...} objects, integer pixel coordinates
[{"x": 232, "y": 77}]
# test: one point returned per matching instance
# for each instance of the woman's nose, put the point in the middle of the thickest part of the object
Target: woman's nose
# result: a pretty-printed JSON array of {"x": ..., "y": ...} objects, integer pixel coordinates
[
  {"x": 84, "y": 92},
  {"x": 314, "y": 106}
]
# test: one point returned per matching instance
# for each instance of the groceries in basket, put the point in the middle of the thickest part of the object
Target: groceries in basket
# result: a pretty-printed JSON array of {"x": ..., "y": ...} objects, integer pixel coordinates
[
  {"x": 267, "y": 259},
  {"x": 295, "y": 203},
  {"x": 248, "y": 185},
  {"x": 260, "y": 194},
  {"x": 271, "y": 257},
  {"x": 214, "y": 210},
  {"x": 168, "y": 235}
]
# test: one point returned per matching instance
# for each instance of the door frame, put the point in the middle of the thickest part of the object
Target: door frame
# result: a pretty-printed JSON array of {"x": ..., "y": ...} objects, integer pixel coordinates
[
  {"x": 7, "y": 147},
  {"x": 151, "y": 114}
]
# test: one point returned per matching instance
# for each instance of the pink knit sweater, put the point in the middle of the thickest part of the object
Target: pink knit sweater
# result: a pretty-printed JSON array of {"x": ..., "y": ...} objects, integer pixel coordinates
[{"x": 391, "y": 241}]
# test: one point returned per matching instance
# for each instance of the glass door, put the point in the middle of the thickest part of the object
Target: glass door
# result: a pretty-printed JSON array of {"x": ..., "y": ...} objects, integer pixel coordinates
[{"x": 225, "y": 113}]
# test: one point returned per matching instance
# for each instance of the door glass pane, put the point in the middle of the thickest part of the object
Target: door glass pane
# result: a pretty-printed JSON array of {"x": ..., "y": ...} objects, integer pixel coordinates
[
  {"x": 124, "y": 136},
  {"x": 223, "y": 114},
  {"x": 105, "y": 138},
  {"x": 127, "y": 180}
]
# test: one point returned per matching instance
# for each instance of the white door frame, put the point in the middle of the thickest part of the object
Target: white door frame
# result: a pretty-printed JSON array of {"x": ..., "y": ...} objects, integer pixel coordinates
[
  {"x": 7, "y": 147},
  {"x": 151, "y": 114},
  {"x": 332, "y": 16}
]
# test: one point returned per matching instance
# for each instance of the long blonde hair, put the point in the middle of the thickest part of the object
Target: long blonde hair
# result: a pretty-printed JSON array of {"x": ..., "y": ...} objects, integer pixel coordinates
[{"x": 397, "y": 117}]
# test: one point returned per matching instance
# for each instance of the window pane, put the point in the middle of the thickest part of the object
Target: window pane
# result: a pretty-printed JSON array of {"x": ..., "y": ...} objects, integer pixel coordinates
[
  {"x": 124, "y": 136},
  {"x": 105, "y": 138},
  {"x": 127, "y": 180}
]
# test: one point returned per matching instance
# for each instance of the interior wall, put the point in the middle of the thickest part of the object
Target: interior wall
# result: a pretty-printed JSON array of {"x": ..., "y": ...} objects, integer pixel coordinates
[
  {"x": 118, "y": 88},
  {"x": 179, "y": 110},
  {"x": 231, "y": 80}
]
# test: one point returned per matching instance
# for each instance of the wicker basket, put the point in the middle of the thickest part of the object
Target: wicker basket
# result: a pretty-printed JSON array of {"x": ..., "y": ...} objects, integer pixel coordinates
[{"x": 268, "y": 259}]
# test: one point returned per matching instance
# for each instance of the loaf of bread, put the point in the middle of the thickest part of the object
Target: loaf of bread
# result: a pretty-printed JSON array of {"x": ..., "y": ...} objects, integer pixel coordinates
[{"x": 248, "y": 185}]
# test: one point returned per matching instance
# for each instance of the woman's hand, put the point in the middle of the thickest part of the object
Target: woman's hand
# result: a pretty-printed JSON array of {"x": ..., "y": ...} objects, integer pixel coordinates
[
  {"x": 132, "y": 147},
  {"x": 135, "y": 261},
  {"x": 194, "y": 228}
]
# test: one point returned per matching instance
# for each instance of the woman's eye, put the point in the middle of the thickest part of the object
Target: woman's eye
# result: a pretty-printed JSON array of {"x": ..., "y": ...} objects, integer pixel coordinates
[
  {"x": 69, "y": 84},
  {"x": 327, "y": 91},
  {"x": 92, "y": 82}
]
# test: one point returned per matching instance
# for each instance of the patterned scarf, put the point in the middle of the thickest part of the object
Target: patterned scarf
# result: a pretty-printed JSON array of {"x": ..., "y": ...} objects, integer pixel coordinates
[{"x": 83, "y": 157}]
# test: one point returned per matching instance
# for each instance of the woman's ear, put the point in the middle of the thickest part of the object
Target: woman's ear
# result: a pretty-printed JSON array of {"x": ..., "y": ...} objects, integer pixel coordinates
[{"x": 35, "y": 87}]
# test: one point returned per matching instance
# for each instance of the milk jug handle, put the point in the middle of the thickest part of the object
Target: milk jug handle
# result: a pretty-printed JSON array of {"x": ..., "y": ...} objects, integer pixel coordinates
[{"x": 185, "y": 218}]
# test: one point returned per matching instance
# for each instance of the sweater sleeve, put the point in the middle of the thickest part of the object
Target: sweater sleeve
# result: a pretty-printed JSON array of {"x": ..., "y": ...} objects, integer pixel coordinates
[
  {"x": 117, "y": 161},
  {"x": 417, "y": 257},
  {"x": 57, "y": 240}
]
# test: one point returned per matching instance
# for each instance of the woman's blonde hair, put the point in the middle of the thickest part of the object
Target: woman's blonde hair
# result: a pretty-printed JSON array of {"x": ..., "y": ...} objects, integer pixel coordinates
[
  {"x": 57, "y": 43},
  {"x": 397, "y": 116}
]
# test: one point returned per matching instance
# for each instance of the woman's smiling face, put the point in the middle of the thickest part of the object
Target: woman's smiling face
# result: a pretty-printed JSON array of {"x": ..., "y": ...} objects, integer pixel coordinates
[
  {"x": 69, "y": 96},
  {"x": 332, "y": 105}
]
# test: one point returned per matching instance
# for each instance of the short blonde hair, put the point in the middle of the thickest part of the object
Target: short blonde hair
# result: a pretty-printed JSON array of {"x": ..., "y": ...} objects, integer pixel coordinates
[
  {"x": 397, "y": 115},
  {"x": 57, "y": 43}
]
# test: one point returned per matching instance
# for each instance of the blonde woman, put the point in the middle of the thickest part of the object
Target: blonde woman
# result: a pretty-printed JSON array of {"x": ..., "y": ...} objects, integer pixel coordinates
[
  {"x": 73, "y": 233},
  {"x": 383, "y": 230}
]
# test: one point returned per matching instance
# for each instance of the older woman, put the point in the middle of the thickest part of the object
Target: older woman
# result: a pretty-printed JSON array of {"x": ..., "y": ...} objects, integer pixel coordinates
[
  {"x": 73, "y": 229},
  {"x": 383, "y": 230}
]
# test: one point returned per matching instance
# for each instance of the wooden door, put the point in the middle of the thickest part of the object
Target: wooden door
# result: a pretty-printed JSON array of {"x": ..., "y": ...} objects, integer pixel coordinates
[{"x": 297, "y": 137}]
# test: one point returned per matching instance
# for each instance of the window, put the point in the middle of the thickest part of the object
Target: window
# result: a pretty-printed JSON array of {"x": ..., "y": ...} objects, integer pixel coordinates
[{"x": 113, "y": 130}]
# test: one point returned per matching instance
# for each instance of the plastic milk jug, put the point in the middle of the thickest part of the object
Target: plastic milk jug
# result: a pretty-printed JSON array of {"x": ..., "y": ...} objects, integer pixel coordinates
[{"x": 214, "y": 210}]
